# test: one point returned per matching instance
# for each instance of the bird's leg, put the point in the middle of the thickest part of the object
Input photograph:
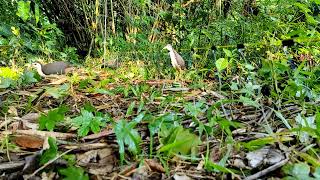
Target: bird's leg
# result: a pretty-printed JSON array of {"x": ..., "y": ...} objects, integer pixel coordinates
[{"x": 175, "y": 76}]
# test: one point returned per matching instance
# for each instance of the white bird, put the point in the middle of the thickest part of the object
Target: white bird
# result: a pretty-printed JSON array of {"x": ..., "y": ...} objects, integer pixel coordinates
[
  {"x": 176, "y": 60},
  {"x": 58, "y": 67}
]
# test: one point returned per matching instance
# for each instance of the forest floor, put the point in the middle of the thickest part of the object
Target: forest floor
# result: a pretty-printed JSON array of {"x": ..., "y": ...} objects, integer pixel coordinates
[{"x": 154, "y": 129}]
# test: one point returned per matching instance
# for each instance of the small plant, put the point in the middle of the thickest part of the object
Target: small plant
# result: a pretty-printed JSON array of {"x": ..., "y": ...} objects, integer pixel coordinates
[
  {"x": 127, "y": 135},
  {"x": 74, "y": 173},
  {"x": 87, "y": 122},
  {"x": 58, "y": 92},
  {"x": 178, "y": 141},
  {"x": 53, "y": 117},
  {"x": 50, "y": 153}
]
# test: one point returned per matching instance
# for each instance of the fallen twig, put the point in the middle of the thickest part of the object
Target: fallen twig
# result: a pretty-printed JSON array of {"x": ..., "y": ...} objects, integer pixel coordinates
[
  {"x": 268, "y": 170},
  {"x": 11, "y": 165},
  {"x": 48, "y": 163},
  {"x": 44, "y": 134}
]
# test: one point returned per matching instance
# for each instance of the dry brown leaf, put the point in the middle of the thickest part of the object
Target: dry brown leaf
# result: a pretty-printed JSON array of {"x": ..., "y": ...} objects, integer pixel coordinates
[
  {"x": 26, "y": 142},
  {"x": 31, "y": 117},
  {"x": 155, "y": 166},
  {"x": 43, "y": 134},
  {"x": 103, "y": 133},
  {"x": 87, "y": 157},
  {"x": 103, "y": 170}
]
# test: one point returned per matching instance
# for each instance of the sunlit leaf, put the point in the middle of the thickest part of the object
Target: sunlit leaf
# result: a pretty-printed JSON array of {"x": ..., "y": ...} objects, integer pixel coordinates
[
  {"x": 222, "y": 64},
  {"x": 24, "y": 10}
]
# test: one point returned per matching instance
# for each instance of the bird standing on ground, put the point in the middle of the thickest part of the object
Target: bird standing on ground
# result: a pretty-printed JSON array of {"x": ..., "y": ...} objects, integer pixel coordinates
[
  {"x": 176, "y": 60},
  {"x": 58, "y": 67}
]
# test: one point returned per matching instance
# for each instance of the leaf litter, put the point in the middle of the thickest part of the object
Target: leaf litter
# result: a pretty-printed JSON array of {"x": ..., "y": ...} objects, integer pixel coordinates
[{"x": 115, "y": 136}]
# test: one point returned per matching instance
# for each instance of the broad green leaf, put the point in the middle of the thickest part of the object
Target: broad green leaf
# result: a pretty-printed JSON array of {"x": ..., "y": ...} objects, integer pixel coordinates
[
  {"x": 259, "y": 143},
  {"x": 50, "y": 153},
  {"x": 53, "y": 117},
  {"x": 127, "y": 135},
  {"x": 180, "y": 141},
  {"x": 249, "y": 67},
  {"x": 87, "y": 121},
  {"x": 5, "y": 82},
  {"x": 58, "y": 92},
  {"x": 222, "y": 64},
  {"x": 74, "y": 173},
  {"x": 28, "y": 78},
  {"x": 95, "y": 125},
  {"x": 300, "y": 170},
  {"x": 303, "y": 7},
  {"x": 194, "y": 109},
  {"x": 24, "y": 10}
]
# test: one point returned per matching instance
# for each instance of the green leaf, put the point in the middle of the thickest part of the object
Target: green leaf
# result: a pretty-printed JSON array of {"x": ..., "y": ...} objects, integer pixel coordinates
[
  {"x": 139, "y": 118},
  {"x": 58, "y": 92},
  {"x": 74, "y": 173},
  {"x": 300, "y": 170},
  {"x": 37, "y": 12},
  {"x": 227, "y": 52},
  {"x": 103, "y": 91},
  {"x": 318, "y": 123},
  {"x": 194, "y": 109},
  {"x": 210, "y": 166},
  {"x": 284, "y": 120},
  {"x": 222, "y": 64},
  {"x": 127, "y": 135},
  {"x": 95, "y": 125},
  {"x": 249, "y": 102},
  {"x": 180, "y": 141},
  {"x": 23, "y": 10},
  {"x": 5, "y": 82},
  {"x": 316, "y": 173},
  {"x": 130, "y": 109},
  {"x": 87, "y": 121},
  {"x": 28, "y": 78},
  {"x": 50, "y": 120},
  {"x": 50, "y": 153}
]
